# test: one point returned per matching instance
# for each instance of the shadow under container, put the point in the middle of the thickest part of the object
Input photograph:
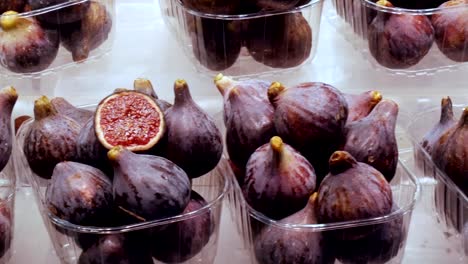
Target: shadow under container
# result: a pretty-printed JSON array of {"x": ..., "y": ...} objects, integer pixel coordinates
[
  {"x": 134, "y": 241},
  {"x": 43, "y": 38},
  {"x": 449, "y": 203},
  {"x": 247, "y": 44},
  {"x": 410, "y": 42}
]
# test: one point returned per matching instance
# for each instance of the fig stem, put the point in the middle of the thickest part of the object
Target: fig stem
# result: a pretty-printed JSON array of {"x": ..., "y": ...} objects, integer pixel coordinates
[
  {"x": 223, "y": 83},
  {"x": 276, "y": 144},
  {"x": 43, "y": 108},
  {"x": 376, "y": 98},
  {"x": 446, "y": 113},
  {"x": 341, "y": 161},
  {"x": 144, "y": 86},
  {"x": 114, "y": 153},
  {"x": 385, "y": 3},
  {"x": 274, "y": 90},
  {"x": 464, "y": 117},
  {"x": 10, "y": 91},
  {"x": 313, "y": 198},
  {"x": 9, "y": 20},
  {"x": 181, "y": 92}
]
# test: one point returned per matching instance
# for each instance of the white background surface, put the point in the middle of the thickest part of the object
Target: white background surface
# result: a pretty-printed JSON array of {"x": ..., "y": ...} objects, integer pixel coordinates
[{"x": 144, "y": 47}]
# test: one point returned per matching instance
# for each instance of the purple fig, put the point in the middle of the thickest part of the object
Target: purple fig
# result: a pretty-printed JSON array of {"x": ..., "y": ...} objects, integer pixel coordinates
[
  {"x": 193, "y": 141},
  {"x": 290, "y": 245},
  {"x": 50, "y": 139},
  {"x": 150, "y": 187},
  {"x": 248, "y": 117},
  {"x": 278, "y": 180},
  {"x": 6, "y": 228},
  {"x": 372, "y": 139},
  {"x": 25, "y": 46},
  {"x": 311, "y": 118},
  {"x": 12, "y": 5},
  {"x": 180, "y": 241},
  {"x": 275, "y": 5},
  {"x": 144, "y": 86},
  {"x": 360, "y": 105},
  {"x": 78, "y": 114},
  {"x": 61, "y": 15},
  {"x": 352, "y": 191},
  {"x": 8, "y": 98}
]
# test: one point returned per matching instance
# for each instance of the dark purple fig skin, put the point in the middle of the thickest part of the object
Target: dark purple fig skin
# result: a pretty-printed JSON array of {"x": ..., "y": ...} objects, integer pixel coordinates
[
  {"x": 12, "y": 5},
  {"x": 27, "y": 47},
  {"x": 287, "y": 245},
  {"x": 288, "y": 45},
  {"x": 50, "y": 139},
  {"x": 145, "y": 86},
  {"x": 193, "y": 141},
  {"x": 115, "y": 249},
  {"x": 80, "y": 194},
  {"x": 275, "y": 5},
  {"x": 372, "y": 139},
  {"x": 219, "y": 7},
  {"x": 64, "y": 15},
  {"x": 450, "y": 153},
  {"x": 360, "y": 105},
  {"x": 311, "y": 118},
  {"x": 399, "y": 41},
  {"x": 149, "y": 186},
  {"x": 352, "y": 191},
  {"x": 6, "y": 228},
  {"x": 89, "y": 33},
  {"x": 80, "y": 115},
  {"x": 180, "y": 241},
  {"x": 8, "y": 98},
  {"x": 450, "y": 34},
  {"x": 248, "y": 117},
  {"x": 278, "y": 180}
]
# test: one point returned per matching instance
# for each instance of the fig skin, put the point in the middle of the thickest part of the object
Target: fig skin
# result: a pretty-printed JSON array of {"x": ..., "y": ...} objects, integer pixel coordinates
[
  {"x": 193, "y": 141},
  {"x": 180, "y": 241},
  {"x": 8, "y": 98},
  {"x": 12, "y": 5},
  {"x": 248, "y": 117},
  {"x": 449, "y": 25},
  {"x": 311, "y": 118},
  {"x": 216, "y": 43},
  {"x": 219, "y": 7},
  {"x": 289, "y": 245},
  {"x": 89, "y": 33},
  {"x": 26, "y": 46},
  {"x": 288, "y": 45},
  {"x": 275, "y": 5},
  {"x": 399, "y": 41},
  {"x": 278, "y": 180},
  {"x": 115, "y": 248},
  {"x": 360, "y": 105},
  {"x": 61, "y": 16},
  {"x": 80, "y": 194},
  {"x": 6, "y": 228},
  {"x": 352, "y": 191},
  {"x": 19, "y": 121},
  {"x": 145, "y": 86},
  {"x": 148, "y": 186},
  {"x": 372, "y": 139},
  {"x": 50, "y": 139},
  {"x": 449, "y": 152},
  {"x": 81, "y": 116}
]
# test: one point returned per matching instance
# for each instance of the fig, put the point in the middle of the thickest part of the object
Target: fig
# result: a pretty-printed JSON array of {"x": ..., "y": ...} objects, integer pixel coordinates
[
  {"x": 450, "y": 34},
  {"x": 311, "y": 118},
  {"x": 12, "y": 5},
  {"x": 19, "y": 121},
  {"x": 399, "y": 40},
  {"x": 288, "y": 45},
  {"x": 248, "y": 117},
  {"x": 193, "y": 141},
  {"x": 89, "y": 33},
  {"x": 50, "y": 139},
  {"x": 115, "y": 248},
  {"x": 277, "y": 174},
  {"x": 446, "y": 122},
  {"x": 180, "y": 241},
  {"x": 352, "y": 191},
  {"x": 276, "y": 5},
  {"x": 372, "y": 139},
  {"x": 449, "y": 152},
  {"x": 360, "y": 105},
  {"x": 6, "y": 228},
  {"x": 130, "y": 119},
  {"x": 25, "y": 46},
  {"x": 80, "y": 115},
  {"x": 148, "y": 186},
  {"x": 294, "y": 246},
  {"x": 79, "y": 194},
  {"x": 216, "y": 43},
  {"x": 68, "y": 12},
  {"x": 144, "y": 86},
  {"x": 219, "y": 7},
  {"x": 8, "y": 98}
]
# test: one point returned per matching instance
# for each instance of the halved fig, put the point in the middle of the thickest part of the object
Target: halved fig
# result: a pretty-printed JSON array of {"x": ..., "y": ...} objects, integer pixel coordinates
[{"x": 129, "y": 119}]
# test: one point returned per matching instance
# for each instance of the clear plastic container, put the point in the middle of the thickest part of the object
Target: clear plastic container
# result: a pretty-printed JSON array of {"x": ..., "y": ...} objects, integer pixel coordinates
[
  {"x": 43, "y": 39},
  {"x": 216, "y": 43},
  {"x": 416, "y": 51},
  {"x": 7, "y": 211},
  {"x": 447, "y": 200},
  {"x": 69, "y": 239}
]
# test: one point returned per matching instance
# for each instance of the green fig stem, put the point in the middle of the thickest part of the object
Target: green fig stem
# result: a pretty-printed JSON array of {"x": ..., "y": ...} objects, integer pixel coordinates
[
  {"x": 114, "y": 153},
  {"x": 276, "y": 144},
  {"x": 313, "y": 198},
  {"x": 385, "y": 3},
  {"x": 274, "y": 90},
  {"x": 9, "y": 20},
  {"x": 43, "y": 108},
  {"x": 181, "y": 92},
  {"x": 376, "y": 97},
  {"x": 144, "y": 86},
  {"x": 341, "y": 161},
  {"x": 464, "y": 117},
  {"x": 10, "y": 93},
  {"x": 223, "y": 83},
  {"x": 446, "y": 113}
]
